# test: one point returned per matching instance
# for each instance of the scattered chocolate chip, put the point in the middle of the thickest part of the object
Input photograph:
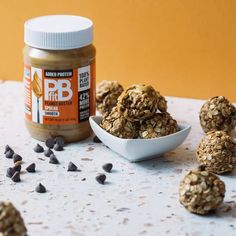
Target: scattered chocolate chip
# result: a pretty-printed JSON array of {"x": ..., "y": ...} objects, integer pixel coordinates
[
  {"x": 31, "y": 168},
  {"x": 17, "y": 167},
  {"x": 72, "y": 167},
  {"x": 83, "y": 179},
  {"x": 96, "y": 140},
  {"x": 101, "y": 178},
  {"x": 50, "y": 142},
  {"x": 7, "y": 148},
  {"x": 16, "y": 177},
  {"x": 10, "y": 172},
  {"x": 38, "y": 148},
  {"x": 9, "y": 154},
  {"x": 53, "y": 159},
  {"x": 57, "y": 147},
  {"x": 107, "y": 167},
  {"x": 17, "y": 157},
  {"x": 48, "y": 152},
  {"x": 40, "y": 189},
  {"x": 60, "y": 141}
]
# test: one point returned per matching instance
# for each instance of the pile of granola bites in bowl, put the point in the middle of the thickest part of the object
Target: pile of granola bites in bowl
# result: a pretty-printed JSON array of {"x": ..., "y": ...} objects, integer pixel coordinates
[{"x": 138, "y": 112}]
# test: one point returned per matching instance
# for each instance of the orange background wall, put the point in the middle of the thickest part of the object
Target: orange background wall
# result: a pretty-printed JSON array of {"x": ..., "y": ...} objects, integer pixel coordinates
[{"x": 184, "y": 48}]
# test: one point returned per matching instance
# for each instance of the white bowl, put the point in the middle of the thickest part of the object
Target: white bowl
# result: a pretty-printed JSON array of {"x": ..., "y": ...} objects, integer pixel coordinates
[{"x": 136, "y": 150}]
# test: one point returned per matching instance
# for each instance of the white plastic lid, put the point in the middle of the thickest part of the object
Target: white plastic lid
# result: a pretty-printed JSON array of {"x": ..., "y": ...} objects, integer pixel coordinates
[{"x": 58, "y": 32}]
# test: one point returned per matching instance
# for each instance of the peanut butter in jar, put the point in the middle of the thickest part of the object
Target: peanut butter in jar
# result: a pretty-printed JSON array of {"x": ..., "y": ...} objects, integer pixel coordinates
[{"x": 59, "y": 77}]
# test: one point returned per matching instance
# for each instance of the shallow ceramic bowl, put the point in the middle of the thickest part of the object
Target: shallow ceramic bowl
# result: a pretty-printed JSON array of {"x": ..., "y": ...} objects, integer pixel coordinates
[{"x": 136, "y": 150}]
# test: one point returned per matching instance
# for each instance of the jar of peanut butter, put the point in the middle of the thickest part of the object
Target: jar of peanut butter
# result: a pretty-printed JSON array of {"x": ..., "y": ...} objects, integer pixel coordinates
[{"x": 59, "y": 76}]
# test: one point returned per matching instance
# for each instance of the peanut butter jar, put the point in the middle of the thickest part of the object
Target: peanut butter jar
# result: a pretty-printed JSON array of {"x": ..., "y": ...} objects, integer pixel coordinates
[{"x": 59, "y": 76}]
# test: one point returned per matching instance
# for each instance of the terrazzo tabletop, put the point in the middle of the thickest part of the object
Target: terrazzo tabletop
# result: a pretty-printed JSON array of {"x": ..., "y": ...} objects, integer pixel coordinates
[{"x": 137, "y": 199}]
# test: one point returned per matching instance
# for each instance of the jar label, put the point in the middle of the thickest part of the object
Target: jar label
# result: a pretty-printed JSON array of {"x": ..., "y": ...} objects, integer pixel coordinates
[{"x": 59, "y": 97}]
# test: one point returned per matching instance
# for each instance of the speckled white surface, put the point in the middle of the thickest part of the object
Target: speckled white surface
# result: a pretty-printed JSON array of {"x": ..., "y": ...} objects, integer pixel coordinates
[{"x": 138, "y": 199}]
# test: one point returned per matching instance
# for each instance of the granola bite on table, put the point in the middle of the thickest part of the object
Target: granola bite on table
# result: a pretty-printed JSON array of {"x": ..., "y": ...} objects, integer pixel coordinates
[
  {"x": 218, "y": 114},
  {"x": 161, "y": 124},
  {"x": 116, "y": 124},
  {"x": 217, "y": 151},
  {"x": 107, "y": 93},
  {"x": 11, "y": 222},
  {"x": 140, "y": 101},
  {"x": 201, "y": 192}
]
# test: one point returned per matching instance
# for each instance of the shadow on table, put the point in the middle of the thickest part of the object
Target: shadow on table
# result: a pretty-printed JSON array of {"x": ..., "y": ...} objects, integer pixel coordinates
[
  {"x": 227, "y": 209},
  {"x": 181, "y": 157}
]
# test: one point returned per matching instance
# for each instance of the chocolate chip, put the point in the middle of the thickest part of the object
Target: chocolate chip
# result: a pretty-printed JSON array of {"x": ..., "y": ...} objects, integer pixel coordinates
[
  {"x": 60, "y": 141},
  {"x": 16, "y": 177},
  {"x": 7, "y": 148},
  {"x": 96, "y": 140},
  {"x": 50, "y": 142},
  {"x": 53, "y": 159},
  {"x": 72, "y": 167},
  {"x": 10, "y": 172},
  {"x": 9, "y": 154},
  {"x": 40, "y": 189},
  {"x": 17, "y": 167},
  {"x": 31, "y": 168},
  {"x": 107, "y": 167},
  {"x": 101, "y": 178},
  {"x": 57, "y": 147},
  {"x": 48, "y": 152},
  {"x": 38, "y": 148},
  {"x": 17, "y": 157}
]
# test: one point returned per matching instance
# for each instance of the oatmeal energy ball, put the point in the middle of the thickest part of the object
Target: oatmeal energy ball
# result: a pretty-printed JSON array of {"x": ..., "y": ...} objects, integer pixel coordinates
[
  {"x": 116, "y": 124},
  {"x": 11, "y": 222},
  {"x": 217, "y": 151},
  {"x": 140, "y": 101},
  {"x": 161, "y": 124},
  {"x": 201, "y": 192},
  {"x": 218, "y": 114},
  {"x": 107, "y": 94}
]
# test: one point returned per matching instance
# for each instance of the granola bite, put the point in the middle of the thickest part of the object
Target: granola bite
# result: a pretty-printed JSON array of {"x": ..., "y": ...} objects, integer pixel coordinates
[
  {"x": 161, "y": 124},
  {"x": 107, "y": 93},
  {"x": 11, "y": 222},
  {"x": 162, "y": 103},
  {"x": 217, "y": 151},
  {"x": 140, "y": 101},
  {"x": 218, "y": 114},
  {"x": 201, "y": 192},
  {"x": 116, "y": 124}
]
